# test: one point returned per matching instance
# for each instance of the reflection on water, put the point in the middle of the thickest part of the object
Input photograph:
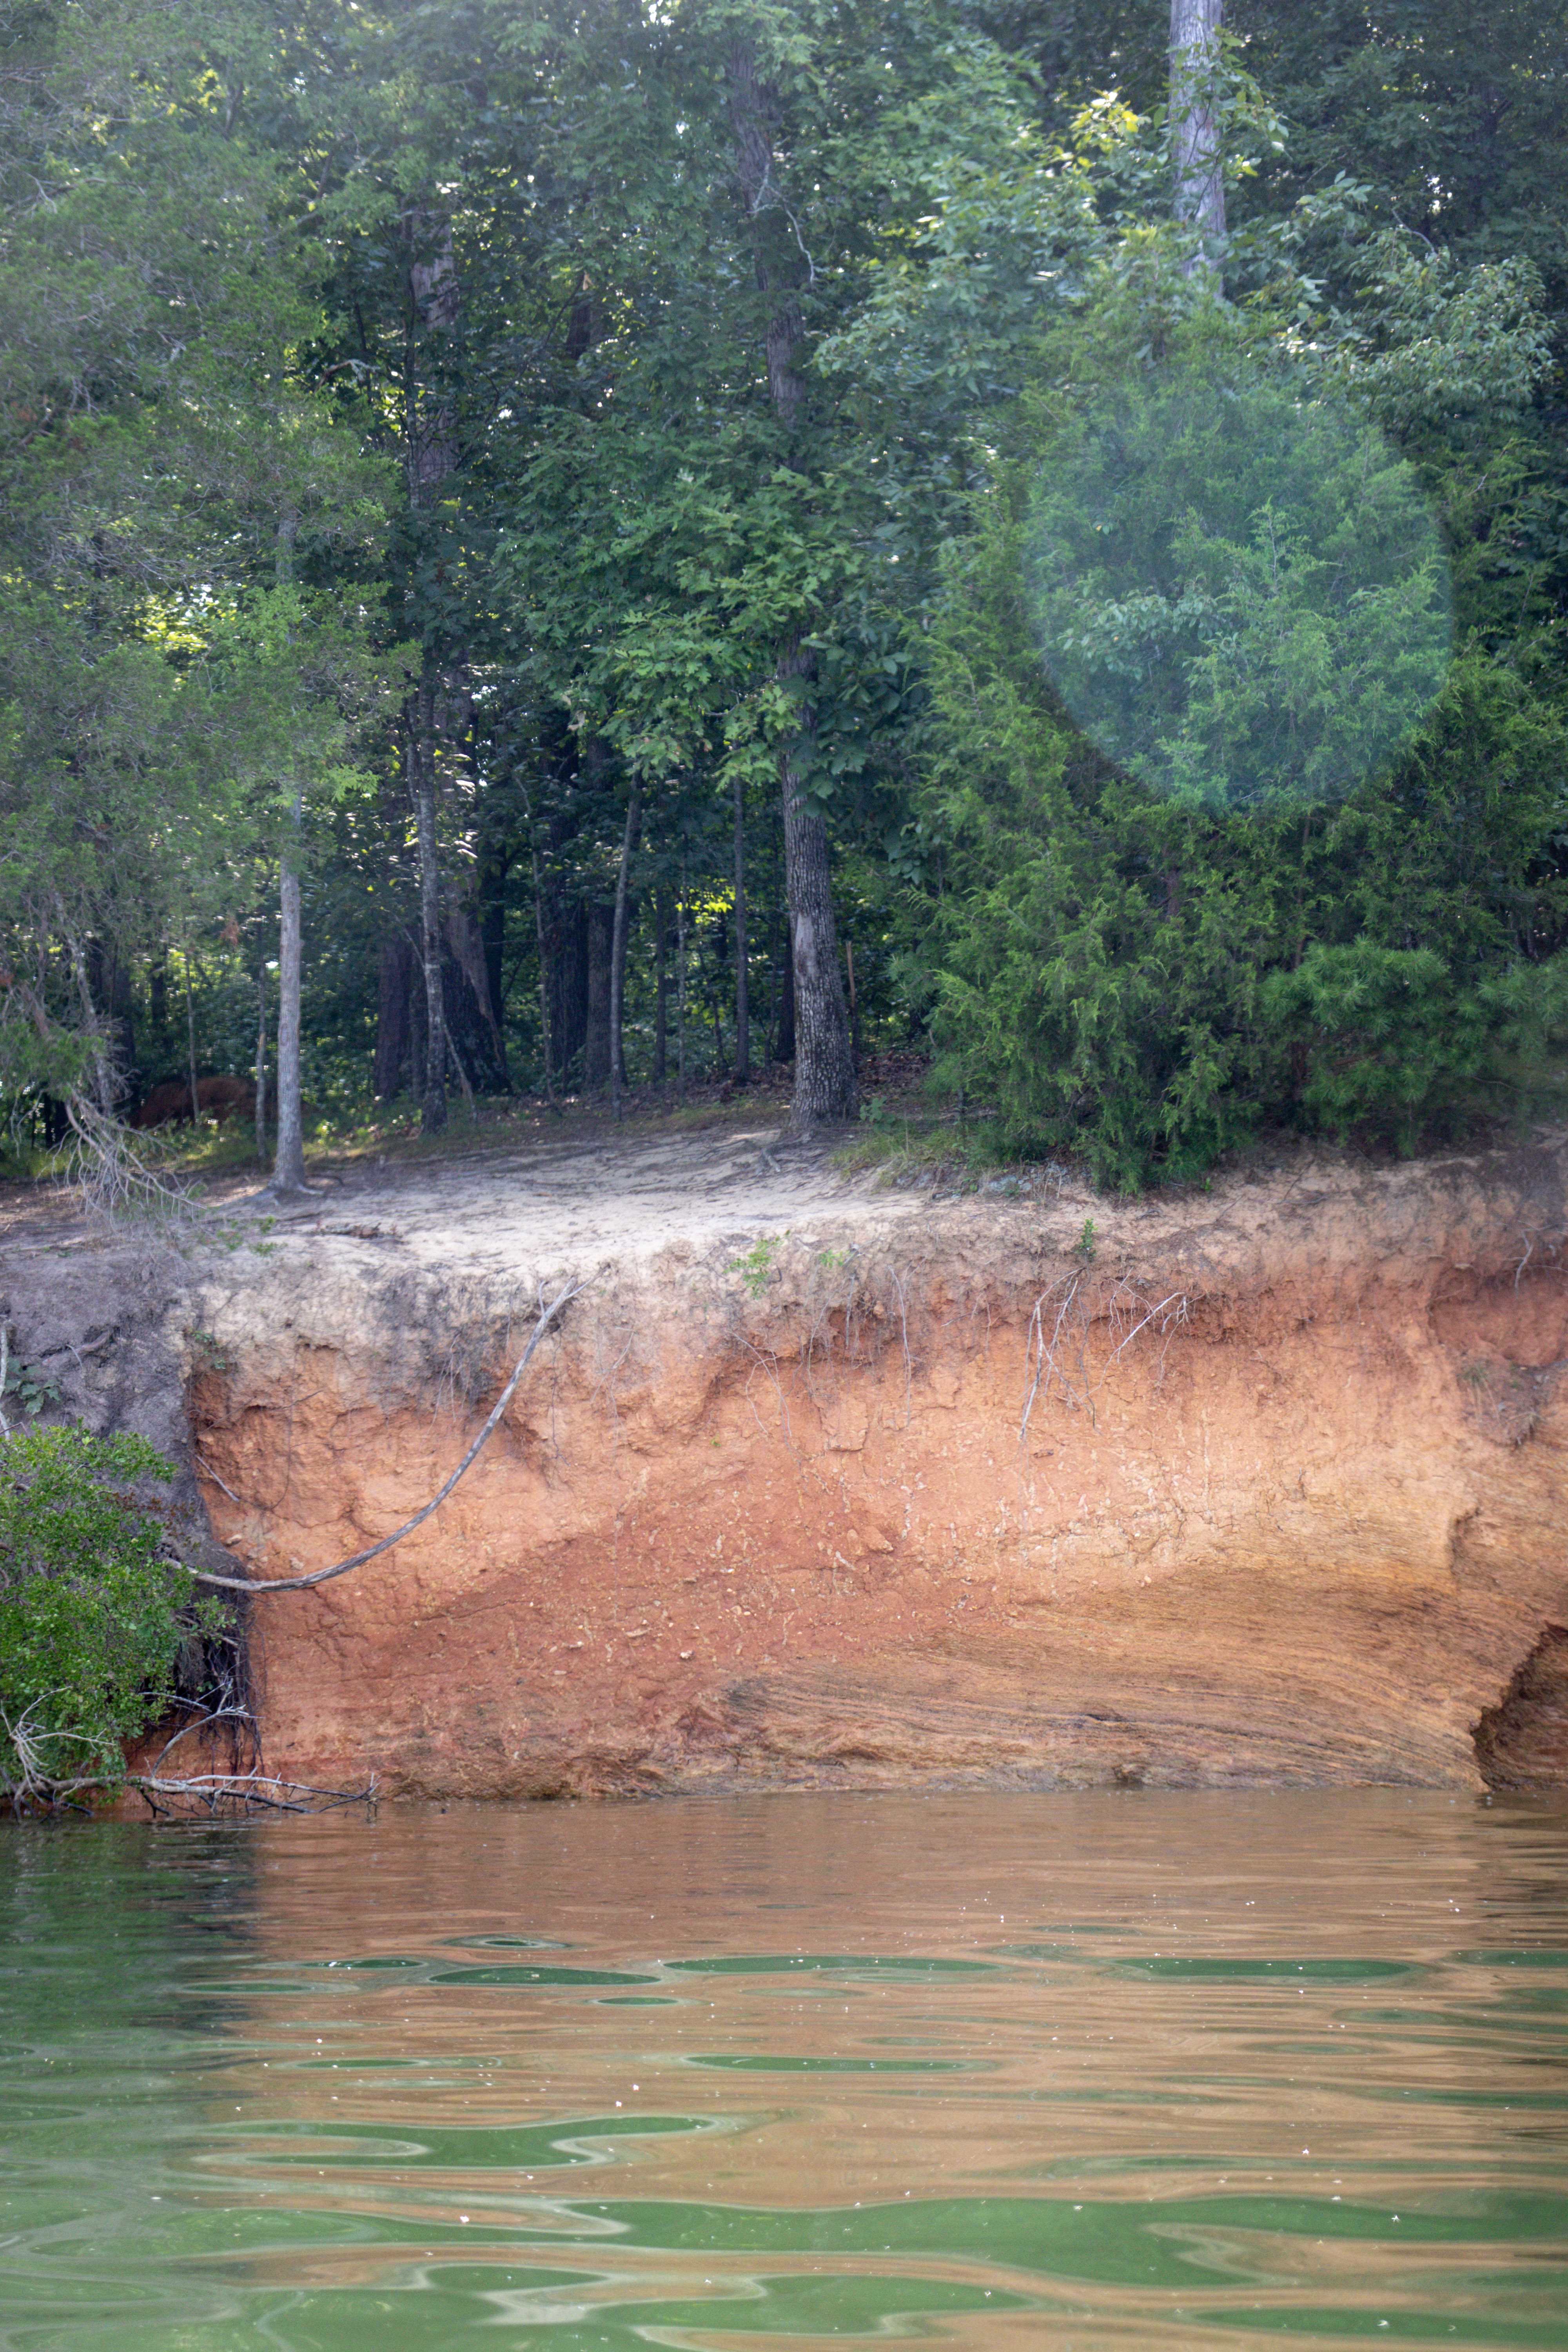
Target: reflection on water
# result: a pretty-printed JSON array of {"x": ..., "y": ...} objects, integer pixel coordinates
[{"x": 1127, "y": 2070}]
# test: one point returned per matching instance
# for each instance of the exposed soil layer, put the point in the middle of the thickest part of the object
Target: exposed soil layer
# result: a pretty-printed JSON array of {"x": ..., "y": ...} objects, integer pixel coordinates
[
  {"x": 1523, "y": 1743},
  {"x": 820, "y": 1484}
]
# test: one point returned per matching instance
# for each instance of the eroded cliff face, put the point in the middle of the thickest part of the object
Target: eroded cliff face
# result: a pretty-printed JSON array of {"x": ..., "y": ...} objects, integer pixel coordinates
[
  {"x": 1260, "y": 1485},
  {"x": 819, "y": 1484}
]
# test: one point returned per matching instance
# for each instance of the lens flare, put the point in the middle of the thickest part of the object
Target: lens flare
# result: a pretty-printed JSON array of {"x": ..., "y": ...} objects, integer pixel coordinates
[{"x": 1238, "y": 589}]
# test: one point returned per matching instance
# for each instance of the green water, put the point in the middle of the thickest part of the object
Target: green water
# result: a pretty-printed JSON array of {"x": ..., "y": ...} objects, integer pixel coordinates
[{"x": 1130, "y": 2070}]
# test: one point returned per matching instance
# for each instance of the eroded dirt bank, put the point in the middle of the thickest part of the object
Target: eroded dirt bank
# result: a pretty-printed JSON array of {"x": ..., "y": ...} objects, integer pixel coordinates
[{"x": 1263, "y": 1485}]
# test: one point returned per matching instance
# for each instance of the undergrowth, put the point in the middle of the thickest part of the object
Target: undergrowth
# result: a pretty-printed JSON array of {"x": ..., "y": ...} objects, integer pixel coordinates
[
  {"x": 94, "y": 1612},
  {"x": 944, "y": 1152}
]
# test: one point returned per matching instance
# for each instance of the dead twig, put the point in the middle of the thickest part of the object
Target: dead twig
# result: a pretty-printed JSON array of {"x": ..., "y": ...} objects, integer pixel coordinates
[
  {"x": 248, "y": 1792},
  {"x": 205, "y": 1467},
  {"x": 113, "y": 1178},
  {"x": 203, "y": 1723},
  {"x": 1044, "y": 1352},
  {"x": 1125, "y": 1312},
  {"x": 373, "y": 1552},
  {"x": 769, "y": 1363},
  {"x": 27, "y": 1740},
  {"x": 904, "y": 1341}
]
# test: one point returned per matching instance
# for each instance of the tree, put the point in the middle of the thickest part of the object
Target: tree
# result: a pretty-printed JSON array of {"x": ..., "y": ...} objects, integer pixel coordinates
[
  {"x": 155, "y": 438},
  {"x": 1199, "y": 196},
  {"x": 520, "y": 485},
  {"x": 825, "y": 1063}
]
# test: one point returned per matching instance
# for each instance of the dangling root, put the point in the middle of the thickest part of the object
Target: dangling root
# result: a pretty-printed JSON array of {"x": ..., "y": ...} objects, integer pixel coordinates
[
  {"x": 112, "y": 1175},
  {"x": 547, "y": 1315}
]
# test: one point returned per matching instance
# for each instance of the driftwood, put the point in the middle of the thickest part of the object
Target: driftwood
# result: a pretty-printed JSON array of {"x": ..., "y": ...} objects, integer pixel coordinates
[
  {"x": 357, "y": 1559},
  {"x": 170, "y": 1796},
  {"x": 216, "y": 1795}
]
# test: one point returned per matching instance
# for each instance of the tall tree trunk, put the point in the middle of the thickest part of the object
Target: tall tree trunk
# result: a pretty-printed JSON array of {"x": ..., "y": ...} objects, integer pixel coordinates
[
  {"x": 494, "y": 867},
  {"x": 541, "y": 942},
  {"x": 416, "y": 1001},
  {"x": 289, "y": 1166},
  {"x": 619, "y": 952},
  {"x": 660, "y": 985},
  {"x": 102, "y": 1065},
  {"x": 422, "y": 761},
  {"x": 854, "y": 1002},
  {"x": 261, "y": 1060},
  {"x": 783, "y": 1046},
  {"x": 470, "y": 1008},
  {"x": 567, "y": 929},
  {"x": 544, "y": 961},
  {"x": 191, "y": 1039},
  {"x": 717, "y": 1010},
  {"x": 825, "y": 1086},
  {"x": 121, "y": 1005},
  {"x": 430, "y": 455},
  {"x": 1199, "y": 190},
  {"x": 742, "y": 1007},
  {"x": 680, "y": 983}
]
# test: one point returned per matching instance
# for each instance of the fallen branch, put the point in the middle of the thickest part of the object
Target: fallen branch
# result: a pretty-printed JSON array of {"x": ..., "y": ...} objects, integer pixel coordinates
[
  {"x": 250, "y": 1791},
  {"x": 26, "y": 1738},
  {"x": 358, "y": 1559},
  {"x": 203, "y": 1723}
]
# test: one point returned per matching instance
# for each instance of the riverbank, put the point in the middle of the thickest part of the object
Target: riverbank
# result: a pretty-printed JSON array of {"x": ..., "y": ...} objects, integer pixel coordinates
[{"x": 822, "y": 1483}]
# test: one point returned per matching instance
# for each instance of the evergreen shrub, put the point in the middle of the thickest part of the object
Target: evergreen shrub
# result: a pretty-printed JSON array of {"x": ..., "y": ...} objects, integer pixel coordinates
[
  {"x": 93, "y": 1612},
  {"x": 1153, "y": 977}
]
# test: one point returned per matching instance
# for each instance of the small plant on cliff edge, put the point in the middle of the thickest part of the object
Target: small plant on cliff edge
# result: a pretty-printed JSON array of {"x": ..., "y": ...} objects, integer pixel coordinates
[
  {"x": 28, "y": 1387},
  {"x": 92, "y": 1611},
  {"x": 758, "y": 1262}
]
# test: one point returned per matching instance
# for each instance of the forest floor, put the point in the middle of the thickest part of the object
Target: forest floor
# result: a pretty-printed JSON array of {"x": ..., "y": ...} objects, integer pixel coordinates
[{"x": 541, "y": 1171}]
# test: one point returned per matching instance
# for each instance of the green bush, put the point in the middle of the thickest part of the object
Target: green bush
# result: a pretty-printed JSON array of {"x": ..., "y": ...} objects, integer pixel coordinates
[{"x": 92, "y": 1611}]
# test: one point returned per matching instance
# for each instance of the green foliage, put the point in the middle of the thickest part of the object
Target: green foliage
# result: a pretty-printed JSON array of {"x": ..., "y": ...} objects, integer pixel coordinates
[
  {"x": 92, "y": 1611},
  {"x": 757, "y": 1263},
  {"x": 253, "y": 482},
  {"x": 161, "y": 458},
  {"x": 1238, "y": 589},
  {"x": 1153, "y": 983},
  {"x": 32, "y": 1390}
]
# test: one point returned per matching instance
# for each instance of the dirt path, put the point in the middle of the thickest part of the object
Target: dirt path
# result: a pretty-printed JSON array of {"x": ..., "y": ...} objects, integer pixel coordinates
[{"x": 585, "y": 1200}]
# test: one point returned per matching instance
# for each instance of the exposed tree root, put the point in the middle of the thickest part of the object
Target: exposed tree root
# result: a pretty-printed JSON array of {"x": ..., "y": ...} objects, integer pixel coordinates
[
  {"x": 547, "y": 1315},
  {"x": 116, "y": 1179},
  {"x": 1060, "y": 1354}
]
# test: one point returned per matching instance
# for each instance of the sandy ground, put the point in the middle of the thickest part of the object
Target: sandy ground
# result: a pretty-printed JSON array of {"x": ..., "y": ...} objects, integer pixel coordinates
[{"x": 584, "y": 1201}]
